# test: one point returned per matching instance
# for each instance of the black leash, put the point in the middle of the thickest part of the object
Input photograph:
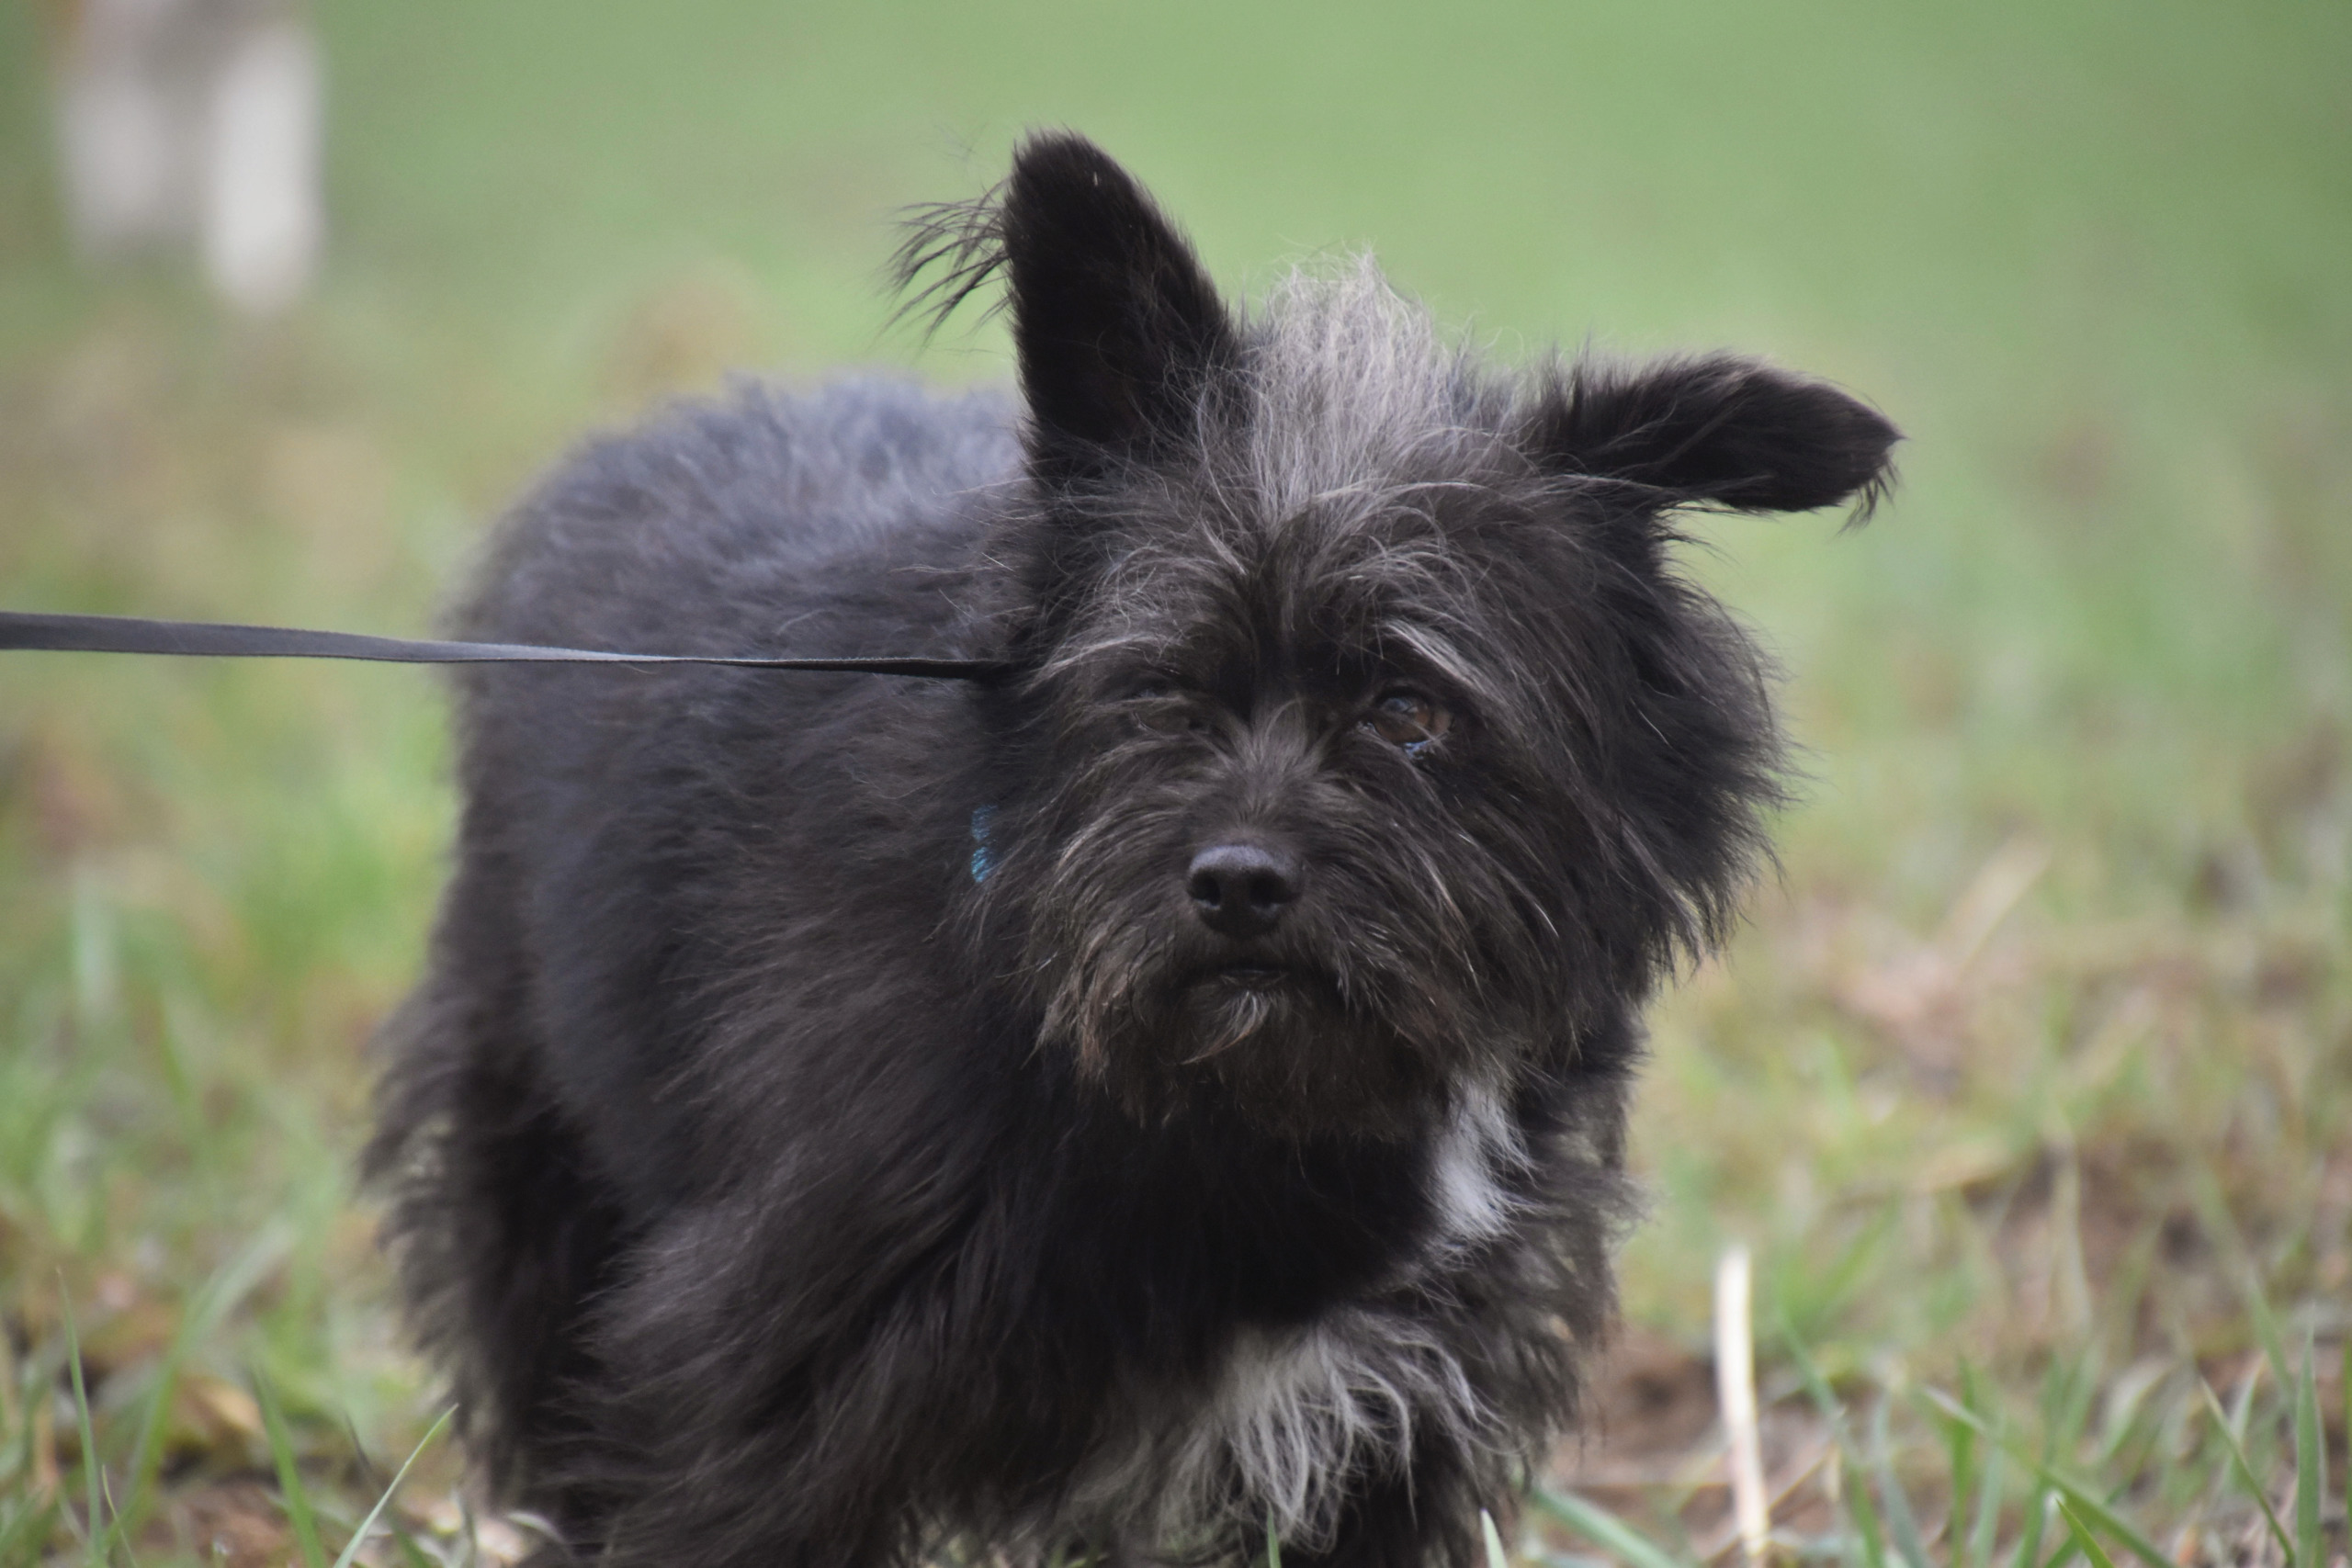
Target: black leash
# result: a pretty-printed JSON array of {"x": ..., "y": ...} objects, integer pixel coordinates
[{"x": 20, "y": 630}]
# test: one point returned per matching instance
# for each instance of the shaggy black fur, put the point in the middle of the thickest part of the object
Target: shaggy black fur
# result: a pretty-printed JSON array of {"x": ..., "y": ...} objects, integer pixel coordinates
[{"x": 1173, "y": 1090}]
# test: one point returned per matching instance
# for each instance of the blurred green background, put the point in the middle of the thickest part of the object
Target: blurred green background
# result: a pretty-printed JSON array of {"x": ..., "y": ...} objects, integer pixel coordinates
[{"x": 2032, "y": 1077}]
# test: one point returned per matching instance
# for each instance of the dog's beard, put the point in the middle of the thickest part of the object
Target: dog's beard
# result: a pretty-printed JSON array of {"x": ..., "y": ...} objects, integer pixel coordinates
[
  {"x": 1280, "y": 1046},
  {"x": 1407, "y": 964}
]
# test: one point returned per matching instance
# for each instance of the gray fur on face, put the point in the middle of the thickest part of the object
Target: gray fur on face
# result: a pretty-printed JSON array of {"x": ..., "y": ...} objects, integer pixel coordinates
[{"x": 1355, "y": 400}]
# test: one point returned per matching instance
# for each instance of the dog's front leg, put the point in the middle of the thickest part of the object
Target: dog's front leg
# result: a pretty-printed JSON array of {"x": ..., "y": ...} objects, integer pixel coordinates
[{"x": 773, "y": 1407}]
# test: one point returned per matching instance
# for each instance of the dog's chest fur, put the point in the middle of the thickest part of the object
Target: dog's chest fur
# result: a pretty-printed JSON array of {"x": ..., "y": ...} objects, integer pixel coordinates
[{"x": 1289, "y": 1415}]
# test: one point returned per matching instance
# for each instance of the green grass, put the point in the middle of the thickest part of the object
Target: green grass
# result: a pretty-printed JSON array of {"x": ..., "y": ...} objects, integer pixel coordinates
[{"x": 2030, "y": 1085}]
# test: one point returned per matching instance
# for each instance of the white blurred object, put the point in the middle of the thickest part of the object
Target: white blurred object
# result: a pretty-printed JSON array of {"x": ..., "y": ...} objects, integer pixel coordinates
[
  {"x": 116, "y": 129},
  {"x": 1736, "y": 1392},
  {"x": 261, "y": 219},
  {"x": 197, "y": 120}
]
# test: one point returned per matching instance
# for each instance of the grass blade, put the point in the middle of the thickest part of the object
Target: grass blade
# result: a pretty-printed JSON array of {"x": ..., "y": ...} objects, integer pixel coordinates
[
  {"x": 2067, "y": 1395},
  {"x": 2234, "y": 1425},
  {"x": 2092, "y": 1507},
  {"x": 2310, "y": 1466},
  {"x": 1273, "y": 1543},
  {"x": 1992, "y": 1491},
  {"x": 117, "y": 1535},
  {"x": 289, "y": 1476},
  {"x": 2092, "y": 1551},
  {"x": 1605, "y": 1530},
  {"x": 2095, "y": 1509},
  {"x": 2037, "y": 1509},
  {"x": 1495, "y": 1558},
  {"x": 1867, "y": 1529},
  {"x": 1960, "y": 1444},
  {"x": 2036, "y": 1523},
  {"x": 92, "y": 1475},
  {"x": 2245, "y": 1468},
  {"x": 1857, "y": 1496},
  {"x": 1901, "y": 1522},
  {"x": 229, "y": 1285},
  {"x": 359, "y": 1536}
]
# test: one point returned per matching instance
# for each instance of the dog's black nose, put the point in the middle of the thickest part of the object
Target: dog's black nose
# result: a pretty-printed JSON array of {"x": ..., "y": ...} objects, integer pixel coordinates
[{"x": 1240, "y": 890}]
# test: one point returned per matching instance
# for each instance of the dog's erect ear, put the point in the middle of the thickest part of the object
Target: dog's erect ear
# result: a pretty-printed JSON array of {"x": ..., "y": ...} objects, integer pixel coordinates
[
  {"x": 1115, "y": 321},
  {"x": 1719, "y": 430}
]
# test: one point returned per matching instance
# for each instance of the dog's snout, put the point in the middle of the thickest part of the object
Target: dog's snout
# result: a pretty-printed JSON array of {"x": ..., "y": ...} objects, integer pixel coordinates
[{"x": 1241, "y": 890}]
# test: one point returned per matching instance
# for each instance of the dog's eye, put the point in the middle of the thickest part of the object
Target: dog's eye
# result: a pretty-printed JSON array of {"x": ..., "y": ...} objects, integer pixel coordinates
[{"x": 1407, "y": 718}]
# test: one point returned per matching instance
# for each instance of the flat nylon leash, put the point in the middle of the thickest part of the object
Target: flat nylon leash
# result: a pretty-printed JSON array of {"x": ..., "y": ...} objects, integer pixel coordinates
[{"x": 22, "y": 631}]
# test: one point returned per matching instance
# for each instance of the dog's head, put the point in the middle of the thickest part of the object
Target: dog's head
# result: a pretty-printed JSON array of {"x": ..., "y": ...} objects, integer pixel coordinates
[{"x": 1366, "y": 742}]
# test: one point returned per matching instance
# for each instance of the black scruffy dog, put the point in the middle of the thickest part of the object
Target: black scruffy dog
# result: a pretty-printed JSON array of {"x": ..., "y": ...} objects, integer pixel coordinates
[{"x": 1169, "y": 1094}]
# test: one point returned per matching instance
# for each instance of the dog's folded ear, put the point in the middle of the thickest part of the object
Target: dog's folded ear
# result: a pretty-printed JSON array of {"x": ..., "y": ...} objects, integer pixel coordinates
[
  {"x": 1116, "y": 323},
  {"x": 1719, "y": 430}
]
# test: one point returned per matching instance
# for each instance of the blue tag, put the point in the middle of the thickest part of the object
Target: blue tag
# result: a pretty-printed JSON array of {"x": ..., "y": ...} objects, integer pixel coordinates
[{"x": 982, "y": 861}]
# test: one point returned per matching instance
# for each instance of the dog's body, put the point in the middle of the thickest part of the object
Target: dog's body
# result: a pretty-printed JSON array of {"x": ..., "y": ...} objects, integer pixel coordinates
[{"x": 1168, "y": 1093}]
